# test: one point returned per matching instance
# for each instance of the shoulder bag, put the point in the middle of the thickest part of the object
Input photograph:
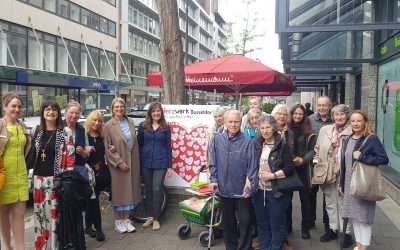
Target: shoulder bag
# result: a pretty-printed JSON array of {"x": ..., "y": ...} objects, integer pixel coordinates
[
  {"x": 290, "y": 183},
  {"x": 366, "y": 181}
]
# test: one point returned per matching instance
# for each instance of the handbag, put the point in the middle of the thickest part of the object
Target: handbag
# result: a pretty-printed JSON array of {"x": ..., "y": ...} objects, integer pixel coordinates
[
  {"x": 366, "y": 181},
  {"x": 325, "y": 172},
  {"x": 290, "y": 183}
]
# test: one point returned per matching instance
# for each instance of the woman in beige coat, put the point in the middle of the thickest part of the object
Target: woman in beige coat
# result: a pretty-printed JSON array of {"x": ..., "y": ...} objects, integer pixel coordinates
[
  {"x": 124, "y": 165},
  {"x": 327, "y": 149}
]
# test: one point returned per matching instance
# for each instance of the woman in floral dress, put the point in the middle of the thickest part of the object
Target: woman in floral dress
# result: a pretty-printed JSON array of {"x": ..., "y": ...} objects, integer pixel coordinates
[{"x": 53, "y": 152}]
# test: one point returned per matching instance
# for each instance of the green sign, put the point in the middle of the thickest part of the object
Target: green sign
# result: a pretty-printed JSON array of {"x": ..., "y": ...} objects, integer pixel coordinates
[
  {"x": 384, "y": 49},
  {"x": 397, "y": 42}
]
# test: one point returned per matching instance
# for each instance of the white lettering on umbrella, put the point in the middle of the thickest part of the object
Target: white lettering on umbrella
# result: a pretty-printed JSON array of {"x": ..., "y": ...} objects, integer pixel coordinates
[{"x": 212, "y": 79}]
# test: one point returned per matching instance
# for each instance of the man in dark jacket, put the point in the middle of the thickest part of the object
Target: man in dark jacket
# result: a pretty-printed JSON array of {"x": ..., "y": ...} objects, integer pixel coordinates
[{"x": 234, "y": 171}]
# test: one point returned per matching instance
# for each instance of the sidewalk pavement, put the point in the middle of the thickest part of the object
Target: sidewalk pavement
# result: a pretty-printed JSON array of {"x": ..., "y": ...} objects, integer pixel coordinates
[{"x": 385, "y": 231}]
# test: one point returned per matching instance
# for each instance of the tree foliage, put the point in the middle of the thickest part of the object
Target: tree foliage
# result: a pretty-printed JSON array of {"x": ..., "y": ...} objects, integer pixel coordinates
[{"x": 248, "y": 33}]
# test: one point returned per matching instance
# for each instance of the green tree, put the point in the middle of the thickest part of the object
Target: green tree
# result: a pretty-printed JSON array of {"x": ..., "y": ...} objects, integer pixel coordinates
[
  {"x": 268, "y": 107},
  {"x": 249, "y": 33}
]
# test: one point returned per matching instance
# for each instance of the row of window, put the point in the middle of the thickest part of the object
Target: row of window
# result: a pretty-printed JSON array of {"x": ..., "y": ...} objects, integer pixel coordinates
[
  {"x": 54, "y": 56},
  {"x": 143, "y": 21},
  {"x": 150, "y": 3},
  {"x": 77, "y": 14},
  {"x": 138, "y": 68},
  {"x": 143, "y": 46}
]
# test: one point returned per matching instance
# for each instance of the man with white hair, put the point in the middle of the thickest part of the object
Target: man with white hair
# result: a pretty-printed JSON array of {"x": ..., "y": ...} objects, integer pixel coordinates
[
  {"x": 234, "y": 171},
  {"x": 319, "y": 119}
]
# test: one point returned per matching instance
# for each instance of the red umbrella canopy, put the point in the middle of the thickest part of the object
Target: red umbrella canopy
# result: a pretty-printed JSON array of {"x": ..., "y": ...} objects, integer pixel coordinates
[
  {"x": 231, "y": 74},
  {"x": 274, "y": 93}
]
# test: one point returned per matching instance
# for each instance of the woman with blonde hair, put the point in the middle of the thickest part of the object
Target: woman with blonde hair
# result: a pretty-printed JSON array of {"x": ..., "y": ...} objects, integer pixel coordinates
[
  {"x": 94, "y": 125},
  {"x": 361, "y": 212},
  {"x": 15, "y": 142},
  {"x": 124, "y": 165}
]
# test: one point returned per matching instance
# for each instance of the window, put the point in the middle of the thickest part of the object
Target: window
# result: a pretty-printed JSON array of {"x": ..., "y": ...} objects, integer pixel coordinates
[
  {"x": 145, "y": 24},
  {"x": 18, "y": 46},
  {"x": 140, "y": 20},
  {"x": 63, "y": 8},
  {"x": 94, "y": 52},
  {"x": 75, "y": 12},
  {"x": 94, "y": 21},
  {"x": 85, "y": 17},
  {"x": 38, "y": 3},
  {"x": 111, "y": 28},
  {"x": 103, "y": 25},
  {"x": 105, "y": 70},
  {"x": 135, "y": 17},
  {"x": 50, "y": 5}
]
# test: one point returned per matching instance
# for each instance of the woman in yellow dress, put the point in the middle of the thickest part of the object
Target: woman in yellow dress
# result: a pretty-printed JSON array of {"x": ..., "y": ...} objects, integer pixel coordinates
[{"x": 14, "y": 145}]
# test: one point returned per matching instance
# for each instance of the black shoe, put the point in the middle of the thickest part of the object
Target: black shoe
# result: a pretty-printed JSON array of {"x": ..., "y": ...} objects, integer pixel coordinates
[
  {"x": 89, "y": 231},
  {"x": 100, "y": 235},
  {"x": 348, "y": 241},
  {"x": 305, "y": 234},
  {"x": 327, "y": 228},
  {"x": 328, "y": 236}
]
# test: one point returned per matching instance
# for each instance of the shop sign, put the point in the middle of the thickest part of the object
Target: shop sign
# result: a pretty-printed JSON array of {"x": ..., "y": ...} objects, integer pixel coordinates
[
  {"x": 96, "y": 85},
  {"x": 390, "y": 47}
]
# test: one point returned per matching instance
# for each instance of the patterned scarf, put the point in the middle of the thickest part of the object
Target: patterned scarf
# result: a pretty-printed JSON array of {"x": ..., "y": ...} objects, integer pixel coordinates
[
  {"x": 282, "y": 133},
  {"x": 336, "y": 134}
]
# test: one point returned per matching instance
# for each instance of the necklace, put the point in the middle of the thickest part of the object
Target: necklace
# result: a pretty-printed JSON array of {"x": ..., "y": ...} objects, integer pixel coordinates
[{"x": 43, "y": 149}]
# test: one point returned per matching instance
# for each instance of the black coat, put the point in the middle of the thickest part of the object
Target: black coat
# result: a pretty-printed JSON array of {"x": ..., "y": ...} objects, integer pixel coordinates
[
  {"x": 72, "y": 191},
  {"x": 280, "y": 158}
]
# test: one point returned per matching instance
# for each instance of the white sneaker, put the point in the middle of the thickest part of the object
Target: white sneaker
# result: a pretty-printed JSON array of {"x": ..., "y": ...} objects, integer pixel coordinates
[
  {"x": 129, "y": 226},
  {"x": 120, "y": 226}
]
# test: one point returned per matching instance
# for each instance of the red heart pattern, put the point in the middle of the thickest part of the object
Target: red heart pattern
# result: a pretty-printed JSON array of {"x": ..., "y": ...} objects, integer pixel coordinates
[{"x": 188, "y": 150}]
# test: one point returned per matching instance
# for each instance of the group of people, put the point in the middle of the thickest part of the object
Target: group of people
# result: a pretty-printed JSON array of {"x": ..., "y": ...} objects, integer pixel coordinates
[
  {"x": 65, "y": 155},
  {"x": 251, "y": 157}
]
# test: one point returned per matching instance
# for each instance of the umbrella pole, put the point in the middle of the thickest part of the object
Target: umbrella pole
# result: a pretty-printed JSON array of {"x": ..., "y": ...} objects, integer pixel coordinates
[
  {"x": 345, "y": 221},
  {"x": 237, "y": 99}
]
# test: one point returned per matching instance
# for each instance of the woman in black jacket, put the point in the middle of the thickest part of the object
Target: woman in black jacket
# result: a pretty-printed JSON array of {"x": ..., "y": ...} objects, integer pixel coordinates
[
  {"x": 270, "y": 204},
  {"x": 94, "y": 128},
  {"x": 304, "y": 152}
]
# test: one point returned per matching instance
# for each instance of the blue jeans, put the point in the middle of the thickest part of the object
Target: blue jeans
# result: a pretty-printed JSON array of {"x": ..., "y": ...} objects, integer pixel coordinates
[{"x": 271, "y": 219}]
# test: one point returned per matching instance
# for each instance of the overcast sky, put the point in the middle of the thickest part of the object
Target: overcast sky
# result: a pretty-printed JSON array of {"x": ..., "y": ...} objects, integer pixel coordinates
[{"x": 235, "y": 10}]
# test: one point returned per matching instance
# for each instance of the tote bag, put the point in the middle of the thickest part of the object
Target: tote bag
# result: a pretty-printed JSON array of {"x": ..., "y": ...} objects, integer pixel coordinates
[{"x": 366, "y": 181}]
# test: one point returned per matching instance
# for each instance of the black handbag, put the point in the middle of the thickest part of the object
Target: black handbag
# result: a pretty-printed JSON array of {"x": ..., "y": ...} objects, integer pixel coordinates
[
  {"x": 290, "y": 183},
  {"x": 102, "y": 174}
]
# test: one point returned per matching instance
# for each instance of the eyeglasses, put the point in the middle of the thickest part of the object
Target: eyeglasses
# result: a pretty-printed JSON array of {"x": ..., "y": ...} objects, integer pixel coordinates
[
  {"x": 281, "y": 114},
  {"x": 50, "y": 109}
]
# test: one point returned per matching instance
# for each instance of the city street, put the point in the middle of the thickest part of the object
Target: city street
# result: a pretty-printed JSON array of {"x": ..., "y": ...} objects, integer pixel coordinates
[{"x": 385, "y": 231}]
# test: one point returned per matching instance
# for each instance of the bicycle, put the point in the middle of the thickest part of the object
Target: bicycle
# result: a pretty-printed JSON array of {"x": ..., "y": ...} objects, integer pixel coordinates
[{"x": 138, "y": 214}]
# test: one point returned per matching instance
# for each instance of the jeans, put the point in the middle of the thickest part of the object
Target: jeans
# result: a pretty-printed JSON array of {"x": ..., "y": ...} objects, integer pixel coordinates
[
  {"x": 154, "y": 184},
  {"x": 271, "y": 219},
  {"x": 236, "y": 223}
]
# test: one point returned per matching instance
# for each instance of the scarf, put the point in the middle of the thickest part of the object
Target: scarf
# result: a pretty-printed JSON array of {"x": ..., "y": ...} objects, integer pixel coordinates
[
  {"x": 337, "y": 133},
  {"x": 298, "y": 128},
  {"x": 282, "y": 133}
]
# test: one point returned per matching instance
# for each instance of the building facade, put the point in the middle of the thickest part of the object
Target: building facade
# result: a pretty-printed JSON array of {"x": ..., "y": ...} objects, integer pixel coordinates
[
  {"x": 92, "y": 51},
  {"x": 349, "y": 50}
]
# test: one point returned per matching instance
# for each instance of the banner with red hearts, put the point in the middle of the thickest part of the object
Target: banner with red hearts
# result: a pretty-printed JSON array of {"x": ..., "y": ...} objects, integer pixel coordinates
[{"x": 189, "y": 126}]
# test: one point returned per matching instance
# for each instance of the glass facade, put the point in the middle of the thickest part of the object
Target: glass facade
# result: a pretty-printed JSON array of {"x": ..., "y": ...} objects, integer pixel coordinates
[
  {"x": 333, "y": 45},
  {"x": 328, "y": 12},
  {"x": 27, "y": 53},
  {"x": 388, "y": 110}
]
